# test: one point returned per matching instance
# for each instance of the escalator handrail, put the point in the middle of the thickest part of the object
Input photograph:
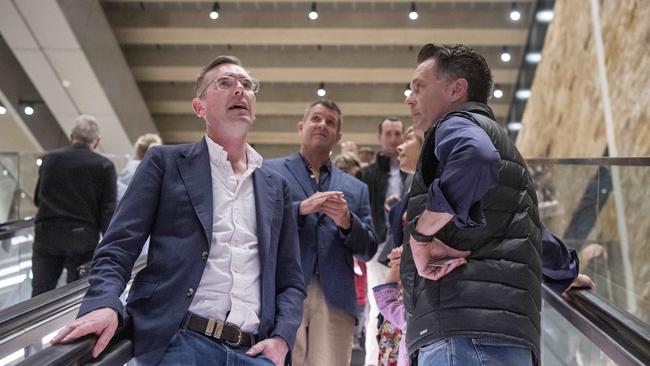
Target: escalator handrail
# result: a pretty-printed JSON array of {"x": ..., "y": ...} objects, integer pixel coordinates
[
  {"x": 9, "y": 228},
  {"x": 621, "y": 336},
  {"x": 79, "y": 352},
  {"x": 625, "y": 339},
  {"x": 603, "y": 161},
  {"x": 41, "y": 308},
  {"x": 620, "y": 325},
  {"x": 34, "y": 310}
]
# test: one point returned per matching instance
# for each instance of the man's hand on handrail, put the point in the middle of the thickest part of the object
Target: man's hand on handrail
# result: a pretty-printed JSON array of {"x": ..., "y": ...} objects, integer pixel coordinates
[
  {"x": 102, "y": 322},
  {"x": 581, "y": 282}
]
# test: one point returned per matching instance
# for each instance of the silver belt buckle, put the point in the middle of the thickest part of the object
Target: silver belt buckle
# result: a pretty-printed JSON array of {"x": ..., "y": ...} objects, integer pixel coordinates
[
  {"x": 214, "y": 328},
  {"x": 239, "y": 339},
  {"x": 210, "y": 327},
  {"x": 218, "y": 329}
]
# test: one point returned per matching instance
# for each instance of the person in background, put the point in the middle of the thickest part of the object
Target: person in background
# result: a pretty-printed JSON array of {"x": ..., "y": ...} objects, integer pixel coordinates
[
  {"x": 349, "y": 163},
  {"x": 392, "y": 345},
  {"x": 366, "y": 155},
  {"x": 391, "y": 328},
  {"x": 75, "y": 196},
  {"x": 334, "y": 224},
  {"x": 141, "y": 147},
  {"x": 385, "y": 187},
  {"x": 349, "y": 147}
]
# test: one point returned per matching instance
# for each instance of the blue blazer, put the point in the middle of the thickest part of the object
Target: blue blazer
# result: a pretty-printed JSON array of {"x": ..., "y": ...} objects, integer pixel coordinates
[
  {"x": 170, "y": 199},
  {"x": 321, "y": 238}
]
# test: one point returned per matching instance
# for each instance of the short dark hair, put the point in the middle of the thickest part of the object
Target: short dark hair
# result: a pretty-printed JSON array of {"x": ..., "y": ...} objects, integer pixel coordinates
[
  {"x": 460, "y": 61},
  {"x": 218, "y": 61},
  {"x": 329, "y": 104},
  {"x": 390, "y": 119}
]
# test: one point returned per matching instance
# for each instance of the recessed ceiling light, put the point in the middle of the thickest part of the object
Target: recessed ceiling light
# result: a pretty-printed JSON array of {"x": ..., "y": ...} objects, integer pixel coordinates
[
  {"x": 514, "y": 126},
  {"x": 413, "y": 15},
  {"x": 544, "y": 16},
  {"x": 533, "y": 57},
  {"x": 313, "y": 14},
  {"x": 523, "y": 94},
  {"x": 515, "y": 15},
  {"x": 214, "y": 14}
]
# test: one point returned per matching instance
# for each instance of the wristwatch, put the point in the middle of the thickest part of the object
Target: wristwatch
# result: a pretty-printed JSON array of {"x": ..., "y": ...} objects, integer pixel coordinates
[{"x": 418, "y": 236}]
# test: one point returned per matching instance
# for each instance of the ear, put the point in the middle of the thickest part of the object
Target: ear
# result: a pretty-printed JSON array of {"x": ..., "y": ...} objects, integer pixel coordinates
[
  {"x": 338, "y": 136},
  {"x": 300, "y": 126},
  {"x": 197, "y": 107},
  {"x": 458, "y": 90}
]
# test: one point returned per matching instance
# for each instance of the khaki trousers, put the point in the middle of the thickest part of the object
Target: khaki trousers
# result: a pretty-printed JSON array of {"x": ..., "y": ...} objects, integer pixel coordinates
[{"x": 325, "y": 334}]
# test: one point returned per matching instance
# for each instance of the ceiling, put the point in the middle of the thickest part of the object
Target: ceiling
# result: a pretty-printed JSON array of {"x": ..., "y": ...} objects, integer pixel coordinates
[
  {"x": 143, "y": 73},
  {"x": 363, "y": 51}
]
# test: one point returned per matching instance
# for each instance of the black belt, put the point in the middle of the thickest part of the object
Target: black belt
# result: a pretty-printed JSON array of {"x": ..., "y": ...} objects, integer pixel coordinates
[{"x": 219, "y": 330}]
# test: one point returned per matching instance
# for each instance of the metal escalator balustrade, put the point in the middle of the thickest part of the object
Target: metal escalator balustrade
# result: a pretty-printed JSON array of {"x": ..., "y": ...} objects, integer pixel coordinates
[
  {"x": 16, "y": 240},
  {"x": 598, "y": 206},
  {"x": 26, "y": 324}
]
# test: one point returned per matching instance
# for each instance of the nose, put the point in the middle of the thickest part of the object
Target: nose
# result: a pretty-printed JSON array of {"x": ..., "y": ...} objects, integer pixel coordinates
[
  {"x": 239, "y": 87},
  {"x": 400, "y": 148},
  {"x": 409, "y": 100}
]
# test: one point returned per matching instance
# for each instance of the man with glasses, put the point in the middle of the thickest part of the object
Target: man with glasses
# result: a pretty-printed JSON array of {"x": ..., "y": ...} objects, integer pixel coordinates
[
  {"x": 223, "y": 269},
  {"x": 334, "y": 223}
]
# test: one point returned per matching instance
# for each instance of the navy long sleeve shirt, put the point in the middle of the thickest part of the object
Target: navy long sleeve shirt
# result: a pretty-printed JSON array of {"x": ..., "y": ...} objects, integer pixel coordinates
[{"x": 470, "y": 165}]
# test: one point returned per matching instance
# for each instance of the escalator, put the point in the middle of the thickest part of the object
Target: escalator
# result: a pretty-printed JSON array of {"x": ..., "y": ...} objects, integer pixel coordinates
[
  {"x": 580, "y": 330},
  {"x": 581, "y": 199},
  {"x": 16, "y": 239},
  {"x": 26, "y": 329}
]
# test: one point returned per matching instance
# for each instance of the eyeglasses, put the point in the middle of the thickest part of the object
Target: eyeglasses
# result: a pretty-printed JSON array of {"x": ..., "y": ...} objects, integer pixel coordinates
[{"x": 227, "y": 83}]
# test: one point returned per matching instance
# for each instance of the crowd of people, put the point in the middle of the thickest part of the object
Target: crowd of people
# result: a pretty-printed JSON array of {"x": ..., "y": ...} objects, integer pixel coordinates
[{"x": 428, "y": 251}]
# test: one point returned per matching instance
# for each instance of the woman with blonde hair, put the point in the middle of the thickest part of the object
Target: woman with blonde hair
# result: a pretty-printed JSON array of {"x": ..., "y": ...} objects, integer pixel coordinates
[{"x": 141, "y": 147}]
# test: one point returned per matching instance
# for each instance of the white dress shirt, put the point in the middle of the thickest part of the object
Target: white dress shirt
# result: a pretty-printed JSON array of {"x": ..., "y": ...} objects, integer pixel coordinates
[
  {"x": 230, "y": 286},
  {"x": 394, "y": 179}
]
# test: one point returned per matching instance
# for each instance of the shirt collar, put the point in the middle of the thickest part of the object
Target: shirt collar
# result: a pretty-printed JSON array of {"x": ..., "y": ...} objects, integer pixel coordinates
[
  {"x": 219, "y": 156},
  {"x": 327, "y": 166}
]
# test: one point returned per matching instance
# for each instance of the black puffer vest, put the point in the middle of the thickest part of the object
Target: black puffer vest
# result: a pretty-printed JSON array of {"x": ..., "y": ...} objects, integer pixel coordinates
[{"x": 498, "y": 292}]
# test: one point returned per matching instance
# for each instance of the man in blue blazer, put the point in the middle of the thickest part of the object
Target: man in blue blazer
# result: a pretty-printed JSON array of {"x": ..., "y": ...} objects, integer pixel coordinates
[
  {"x": 334, "y": 223},
  {"x": 223, "y": 270}
]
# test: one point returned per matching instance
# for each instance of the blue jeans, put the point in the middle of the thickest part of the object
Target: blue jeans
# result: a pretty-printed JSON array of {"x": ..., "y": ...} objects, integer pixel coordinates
[
  {"x": 191, "y": 348},
  {"x": 465, "y": 351}
]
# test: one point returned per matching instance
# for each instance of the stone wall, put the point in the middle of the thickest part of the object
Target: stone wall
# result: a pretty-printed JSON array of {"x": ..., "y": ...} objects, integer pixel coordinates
[{"x": 564, "y": 118}]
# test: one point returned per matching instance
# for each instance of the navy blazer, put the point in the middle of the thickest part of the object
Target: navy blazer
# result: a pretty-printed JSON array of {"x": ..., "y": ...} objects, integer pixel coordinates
[
  {"x": 170, "y": 199},
  {"x": 320, "y": 236}
]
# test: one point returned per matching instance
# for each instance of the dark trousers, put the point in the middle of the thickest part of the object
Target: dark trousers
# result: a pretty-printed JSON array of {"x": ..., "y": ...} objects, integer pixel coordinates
[{"x": 57, "y": 246}]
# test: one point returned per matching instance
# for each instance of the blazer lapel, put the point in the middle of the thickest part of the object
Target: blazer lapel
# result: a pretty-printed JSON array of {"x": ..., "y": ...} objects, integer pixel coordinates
[
  {"x": 264, "y": 211},
  {"x": 196, "y": 174},
  {"x": 296, "y": 166},
  {"x": 336, "y": 183}
]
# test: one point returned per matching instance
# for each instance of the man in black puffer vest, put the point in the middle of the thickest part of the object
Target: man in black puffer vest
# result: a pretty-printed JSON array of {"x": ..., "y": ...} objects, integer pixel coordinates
[{"x": 472, "y": 271}]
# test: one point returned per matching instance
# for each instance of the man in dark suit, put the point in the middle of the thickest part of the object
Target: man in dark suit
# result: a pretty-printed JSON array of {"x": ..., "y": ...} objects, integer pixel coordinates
[
  {"x": 75, "y": 195},
  {"x": 223, "y": 270},
  {"x": 334, "y": 223}
]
